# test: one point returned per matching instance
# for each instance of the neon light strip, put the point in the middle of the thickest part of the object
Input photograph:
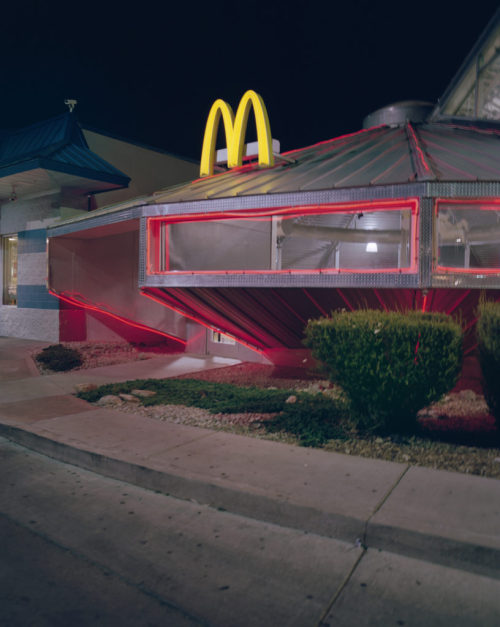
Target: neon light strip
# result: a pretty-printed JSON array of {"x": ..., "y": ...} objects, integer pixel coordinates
[
  {"x": 336, "y": 139},
  {"x": 137, "y": 325},
  {"x": 379, "y": 298},
  {"x": 471, "y": 349},
  {"x": 419, "y": 150},
  {"x": 408, "y": 270},
  {"x": 478, "y": 271},
  {"x": 344, "y": 298},
  {"x": 314, "y": 302},
  {"x": 201, "y": 322},
  {"x": 252, "y": 214},
  {"x": 470, "y": 201},
  {"x": 296, "y": 211},
  {"x": 424, "y": 302},
  {"x": 287, "y": 305},
  {"x": 490, "y": 205},
  {"x": 477, "y": 129},
  {"x": 457, "y": 302},
  {"x": 251, "y": 166}
]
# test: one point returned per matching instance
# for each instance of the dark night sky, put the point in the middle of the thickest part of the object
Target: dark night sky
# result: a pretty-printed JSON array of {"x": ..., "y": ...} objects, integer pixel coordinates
[{"x": 149, "y": 71}]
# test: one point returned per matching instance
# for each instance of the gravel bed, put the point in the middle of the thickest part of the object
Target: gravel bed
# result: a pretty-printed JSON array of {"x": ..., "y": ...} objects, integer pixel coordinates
[{"x": 460, "y": 416}]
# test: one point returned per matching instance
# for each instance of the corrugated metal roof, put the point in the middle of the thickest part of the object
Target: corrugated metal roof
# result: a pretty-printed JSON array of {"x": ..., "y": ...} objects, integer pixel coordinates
[
  {"x": 378, "y": 156},
  {"x": 57, "y": 143}
]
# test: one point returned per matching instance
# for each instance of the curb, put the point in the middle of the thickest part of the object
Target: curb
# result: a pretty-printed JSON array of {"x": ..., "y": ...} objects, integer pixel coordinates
[{"x": 474, "y": 558}]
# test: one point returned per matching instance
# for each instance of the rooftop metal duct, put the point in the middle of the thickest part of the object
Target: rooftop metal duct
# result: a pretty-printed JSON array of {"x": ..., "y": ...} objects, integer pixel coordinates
[{"x": 399, "y": 113}]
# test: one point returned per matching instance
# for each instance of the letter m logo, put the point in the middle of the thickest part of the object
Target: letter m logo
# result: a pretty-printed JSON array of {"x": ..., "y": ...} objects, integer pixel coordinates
[{"x": 235, "y": 130}]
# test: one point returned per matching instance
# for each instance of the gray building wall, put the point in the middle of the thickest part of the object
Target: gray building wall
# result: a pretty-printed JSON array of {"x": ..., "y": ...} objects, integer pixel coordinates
[{"x": 36, "y": 315}]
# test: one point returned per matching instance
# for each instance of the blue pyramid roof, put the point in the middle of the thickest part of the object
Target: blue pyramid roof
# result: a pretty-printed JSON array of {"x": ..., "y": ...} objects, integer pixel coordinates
[{"x": 55, "y": 144}]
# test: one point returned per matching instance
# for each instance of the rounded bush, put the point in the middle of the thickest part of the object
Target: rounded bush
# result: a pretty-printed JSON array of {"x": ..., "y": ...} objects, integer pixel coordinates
[
  {"x": 59, "y": 358},
  {"x": 389, "y": 364}
]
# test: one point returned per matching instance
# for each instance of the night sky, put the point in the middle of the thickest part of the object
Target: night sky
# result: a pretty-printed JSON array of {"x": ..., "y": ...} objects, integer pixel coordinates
[{"x": 149, "y": 71}]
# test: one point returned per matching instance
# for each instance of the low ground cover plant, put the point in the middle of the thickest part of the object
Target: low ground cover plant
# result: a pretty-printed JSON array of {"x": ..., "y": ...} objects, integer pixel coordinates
[
  {"x": 389, "y": 364},
  {"x": 488, "y": 335},
  {"x": 59, "y": 358},
  {"x": 215, "y": 397},
  {"x": 312, "y": 418}
]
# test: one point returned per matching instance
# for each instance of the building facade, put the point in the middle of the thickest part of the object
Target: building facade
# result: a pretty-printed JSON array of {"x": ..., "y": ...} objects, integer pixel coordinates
[
  {"x": 403, "y": 214},
  {"x": 50, "y": 172}
]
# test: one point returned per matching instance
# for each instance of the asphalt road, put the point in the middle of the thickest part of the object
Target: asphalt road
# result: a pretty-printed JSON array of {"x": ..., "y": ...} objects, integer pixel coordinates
[{"x": 78, "y": 549}]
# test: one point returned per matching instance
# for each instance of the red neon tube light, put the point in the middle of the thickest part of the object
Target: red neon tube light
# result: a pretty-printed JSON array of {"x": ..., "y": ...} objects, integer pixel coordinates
[
  {"x": 266, "y": 214},
  {"x": 201, "y": 322},
  {"x": 476, "y": 204},
  {"x": 137, "y": 325}
]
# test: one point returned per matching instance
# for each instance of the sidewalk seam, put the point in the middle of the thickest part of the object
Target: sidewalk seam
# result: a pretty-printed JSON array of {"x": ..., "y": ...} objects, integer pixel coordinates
[
  {"x": 382, "y": 503},
  {"x": 340, "y": 589},
  {"x": 467, "y": 556}
]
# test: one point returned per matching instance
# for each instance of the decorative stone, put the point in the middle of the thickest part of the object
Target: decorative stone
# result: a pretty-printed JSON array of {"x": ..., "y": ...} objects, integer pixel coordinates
[
  {"x": 85, "y": 387},
  {"x": 129, "y": 398},
  {"x": 291, "y": 399},
  {"x": 143, "y": 393},
  {"x": 110, "y": 399}
]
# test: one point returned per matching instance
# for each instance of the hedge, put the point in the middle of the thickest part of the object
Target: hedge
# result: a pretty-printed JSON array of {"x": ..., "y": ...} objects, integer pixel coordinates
[{"x": 389, "y": 364}]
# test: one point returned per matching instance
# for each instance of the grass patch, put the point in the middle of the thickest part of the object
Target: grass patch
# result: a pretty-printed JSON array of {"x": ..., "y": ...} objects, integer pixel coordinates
[
  {"x": 214, "y": 397},
  {"x": 313, "y": 418}
]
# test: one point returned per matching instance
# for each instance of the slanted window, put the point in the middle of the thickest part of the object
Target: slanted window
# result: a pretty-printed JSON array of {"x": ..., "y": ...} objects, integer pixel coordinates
[
  {"x": 361, "y": 237},
  {"x": 468, "y": 235},
  {"x": 9, "y": 248}
]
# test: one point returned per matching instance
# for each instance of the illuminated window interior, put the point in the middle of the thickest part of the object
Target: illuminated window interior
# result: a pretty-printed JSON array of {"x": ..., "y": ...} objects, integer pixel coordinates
[
  {"x": 468, "y": 235},
  {"x": 9, "y": 248},
  {"x": 221, "y": 338},
  {"x": 348, "y": 237}
]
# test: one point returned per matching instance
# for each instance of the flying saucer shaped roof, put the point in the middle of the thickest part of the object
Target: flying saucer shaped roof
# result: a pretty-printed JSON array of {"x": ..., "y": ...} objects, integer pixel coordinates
[{"x": 381, "y": 155}]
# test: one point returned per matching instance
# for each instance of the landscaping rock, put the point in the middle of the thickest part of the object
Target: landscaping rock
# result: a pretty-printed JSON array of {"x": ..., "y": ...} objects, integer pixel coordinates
[
  {"x": 110, "y": 399},
  {"x": 129, "y": 398},
  {"x": 85, "y": 387},
  {"x": 143, "y": 393}
]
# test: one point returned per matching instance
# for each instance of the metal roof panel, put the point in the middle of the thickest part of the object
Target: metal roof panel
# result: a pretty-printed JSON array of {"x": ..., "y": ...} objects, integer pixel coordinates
[{"x": 56, "y": 143}]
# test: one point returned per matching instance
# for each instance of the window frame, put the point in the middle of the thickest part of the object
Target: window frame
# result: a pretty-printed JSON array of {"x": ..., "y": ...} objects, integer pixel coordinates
[{"x": 10, "y": 261}]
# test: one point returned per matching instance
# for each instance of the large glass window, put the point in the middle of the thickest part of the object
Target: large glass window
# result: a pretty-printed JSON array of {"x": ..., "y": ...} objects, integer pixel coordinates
[
  {"x": 333, "y": 238},
  {"x": 468, "y": 235},
  {"x": 9, "y": 248}
]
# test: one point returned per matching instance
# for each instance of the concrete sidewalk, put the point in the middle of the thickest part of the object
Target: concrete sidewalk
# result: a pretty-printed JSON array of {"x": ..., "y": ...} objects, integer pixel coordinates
[{"x": 441, "y": 517}]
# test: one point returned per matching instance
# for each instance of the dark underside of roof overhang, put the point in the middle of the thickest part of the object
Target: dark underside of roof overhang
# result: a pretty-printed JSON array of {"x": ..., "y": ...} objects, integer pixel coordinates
[{"x": 269, "y": 318}]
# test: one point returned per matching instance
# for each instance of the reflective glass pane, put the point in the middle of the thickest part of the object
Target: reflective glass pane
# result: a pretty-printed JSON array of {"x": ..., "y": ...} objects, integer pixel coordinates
[
  {"x": 353, "y": 240},
  {"x": 9, "y": 247},
  {"x": 468, "y": 236}
]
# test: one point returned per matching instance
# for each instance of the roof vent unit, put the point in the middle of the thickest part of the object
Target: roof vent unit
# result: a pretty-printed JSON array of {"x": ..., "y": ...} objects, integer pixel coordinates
[{"x": 399, "y": 113}]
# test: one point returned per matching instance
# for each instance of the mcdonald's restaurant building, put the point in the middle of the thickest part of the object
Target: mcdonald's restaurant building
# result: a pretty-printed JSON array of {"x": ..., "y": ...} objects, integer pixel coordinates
[{"x": 404, "y": 213}]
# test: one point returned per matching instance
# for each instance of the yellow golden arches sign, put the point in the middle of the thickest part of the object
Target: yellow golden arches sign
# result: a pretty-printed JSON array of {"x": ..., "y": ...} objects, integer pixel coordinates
[{"x": 235, "y": 130}]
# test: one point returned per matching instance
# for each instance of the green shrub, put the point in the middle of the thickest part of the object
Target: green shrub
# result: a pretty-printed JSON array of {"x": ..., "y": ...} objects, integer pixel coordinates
[
  {"x": 313, "y": 420},
  {"x": 59, "y": 358},
  {"x": 488, "y": 335},
  {"x": 390, "y": 365}
]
